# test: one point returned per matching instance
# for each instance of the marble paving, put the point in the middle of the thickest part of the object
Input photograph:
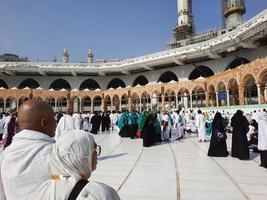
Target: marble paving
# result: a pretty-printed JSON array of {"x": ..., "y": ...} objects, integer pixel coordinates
[{"x": 178, "y": 170}]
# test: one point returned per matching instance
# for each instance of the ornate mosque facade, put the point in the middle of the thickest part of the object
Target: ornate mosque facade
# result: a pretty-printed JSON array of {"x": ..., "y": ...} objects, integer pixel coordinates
[{"x": 219, "y": 68}]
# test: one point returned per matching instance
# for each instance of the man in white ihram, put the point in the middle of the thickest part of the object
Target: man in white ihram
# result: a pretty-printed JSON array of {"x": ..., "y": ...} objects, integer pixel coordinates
[
  {"x": 200, "y": 124},
  {"x": 77, "y": 121},
  {"x": 66, "y": 123},
  {"x": 24, "y": 165}
]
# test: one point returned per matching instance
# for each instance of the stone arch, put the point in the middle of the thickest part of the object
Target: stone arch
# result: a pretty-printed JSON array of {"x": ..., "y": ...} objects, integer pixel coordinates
[
  {"x": 198, "y": 97},
  {"x": 76, "y": 104},
  {"x": 97, "y": 102},
  {"x": 232, "y": 87},
  {"x": 250, "y": 92},
  {"x": 200, "y": 71},
  {"x": 89, "y": 84},
  {"x": 22, "y": 99},
  {"x": 262, "y": 81},
  {"x": 31, "y": 83},
  {"x": 183, "y": 98},
  {"x": 62, "y": 104},
  {"x": 222, "y": 94},
  {"x": 168, "y": 76},
  {"x": 3, "y": 84},
  {"x": 51, "y": 101},
  {"x": 11, "y": 104},
  {"x": 211, "y": 95},
  {"x": 116, "y": 102},
  {"x": 124, "y": 102},
  {"x": 107, "y": 103},
  {"x": 60, "y": 84},
  {"x": 38, "y": 98},
  {"x": 115, "y": 83},
  {"x": 170, "y": 99},
  {"x": 146, "y": 101},
  {"x": 135, "y": 102},
  {"x": 86, "y": 104},
  {"x": 140, "y": 80},
  {"x": 2, "y": 104},
  {"x": 237, "y": 62},
  {"x": 156, "y": 100}
]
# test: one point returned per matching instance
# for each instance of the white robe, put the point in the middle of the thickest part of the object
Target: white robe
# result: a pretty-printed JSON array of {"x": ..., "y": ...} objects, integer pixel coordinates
[
  {"x": 77, "y": 121},
  {"x": 200, "y": 124},
  {"x": 262, "y": 135},
  {"x": 166, "y": 133},
  {"x": 6, "y": 122},
  {"x": 24, "y": 165},
  {"x": 66, "y": 123}
]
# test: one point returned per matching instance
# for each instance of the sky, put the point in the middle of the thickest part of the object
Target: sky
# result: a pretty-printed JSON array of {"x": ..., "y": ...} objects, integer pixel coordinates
[{"x": 41, "y": 29}]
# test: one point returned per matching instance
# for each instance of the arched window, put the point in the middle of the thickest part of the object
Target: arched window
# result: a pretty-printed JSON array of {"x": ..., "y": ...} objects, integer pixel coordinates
[
  {"x": 89, "y": 84},
  {"x": 201, "y": 71},
  {"x": 3, "y": 84},
  {"x": 115, "y": 83},
  {"x": 167, "y": 77},
  {"x": 31, "y": 83},
  {"x": 237, "y": 62},
  {"x": 141, "y": 80},
  {"x": 60, "y": 84}
]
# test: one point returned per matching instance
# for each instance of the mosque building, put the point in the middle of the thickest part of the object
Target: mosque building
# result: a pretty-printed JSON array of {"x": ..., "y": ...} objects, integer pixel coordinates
[{"x": 226, "y": 67}]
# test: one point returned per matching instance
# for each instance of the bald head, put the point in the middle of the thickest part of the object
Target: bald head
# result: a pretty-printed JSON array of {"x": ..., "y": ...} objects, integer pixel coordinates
[{"x": 38, "y": 116}]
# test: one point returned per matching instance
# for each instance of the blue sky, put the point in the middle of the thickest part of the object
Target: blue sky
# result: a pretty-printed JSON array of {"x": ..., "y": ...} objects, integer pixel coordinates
[{"x": 112, "y": 28}]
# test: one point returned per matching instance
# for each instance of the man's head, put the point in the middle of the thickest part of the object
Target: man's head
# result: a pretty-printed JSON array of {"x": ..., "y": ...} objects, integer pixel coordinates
[{"x": 38, "y": 116}]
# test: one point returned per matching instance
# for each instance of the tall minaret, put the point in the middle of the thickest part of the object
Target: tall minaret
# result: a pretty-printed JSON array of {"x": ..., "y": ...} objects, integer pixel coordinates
[
  {"x": 90, "y": 56},
  {"x": 185, "y": 27},
  {"x": 233, "y": 11},
  {"x": 66, "y": 56}
]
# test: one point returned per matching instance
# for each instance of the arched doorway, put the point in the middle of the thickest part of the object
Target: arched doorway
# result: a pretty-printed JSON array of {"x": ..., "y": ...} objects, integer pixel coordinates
[
  {"x": 251, "y": 92},
  {"x": 2, "y": 105},
  {"x": 22, "y": 99},
  {"x": 76, "y": 104},
  {"x": 183, "y": 98},
  {"x": 116, "y": 103},
  {"x": 233, "y": 92},
  {"x": 156, "y": 100},
  {"x": 212, "y": 95},
  {"x": 135, "y": 102},
  {"x": 222, "y": 94},
  {"x": 107, "y": 103},
  {"x": 97, "y": 102},
  {"x": 124, "y": 103},
  {"x": 86, "y": 104},
  {"x": 198, "y": 97},
  {"x": 52, "y": 102},
  {"x": 145, "y": 101},
  {"x": 11, "y": 104},
  {"x": 170, "y": 100},
  {"x": 62, "y": 104}
]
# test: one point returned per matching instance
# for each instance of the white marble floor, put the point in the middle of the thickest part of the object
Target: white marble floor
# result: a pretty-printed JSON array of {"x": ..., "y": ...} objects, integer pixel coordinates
[{"x": 176, "y": 170}]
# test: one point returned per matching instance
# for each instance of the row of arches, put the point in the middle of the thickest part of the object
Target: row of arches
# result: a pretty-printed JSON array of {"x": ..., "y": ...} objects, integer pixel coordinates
[{"x": 198, "y": 71}]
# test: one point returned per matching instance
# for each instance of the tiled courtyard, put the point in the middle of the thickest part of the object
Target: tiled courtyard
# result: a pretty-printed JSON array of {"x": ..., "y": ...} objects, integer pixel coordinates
[{"x": 176, "y": 170}]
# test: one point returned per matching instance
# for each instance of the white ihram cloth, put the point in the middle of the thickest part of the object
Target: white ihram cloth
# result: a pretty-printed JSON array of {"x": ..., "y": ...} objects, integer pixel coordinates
[
  {"x": 166, "y": 133},
  {"x": 66, "y": 123},
  {"x": 6, "y": 122},
  {"x": 24, "y": 165},
  {"x": 262, "y": 133},
  {"x": 72, "y": 156},
  {"x": 200, "y": 124},
  {"x": 77, "y": 121}
]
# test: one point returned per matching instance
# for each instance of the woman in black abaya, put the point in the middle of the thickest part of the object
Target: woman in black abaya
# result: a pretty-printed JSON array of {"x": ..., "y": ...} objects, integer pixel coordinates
[
  {"x": 149, "y": 131},
  {"x": 218, "y": 147},
  {"x": 239, "y": 137}
]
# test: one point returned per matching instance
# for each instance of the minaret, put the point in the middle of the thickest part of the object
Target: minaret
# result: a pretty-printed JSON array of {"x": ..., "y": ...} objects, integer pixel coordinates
[
  {"x": 233, "y": 11},
  {"x": 90, "y": 56},
  {"x": 185, "y": 27},
  {"x": 66, "y": 56}
]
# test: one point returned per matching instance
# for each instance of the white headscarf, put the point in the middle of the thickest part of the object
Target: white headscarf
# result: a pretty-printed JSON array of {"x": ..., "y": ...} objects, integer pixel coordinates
[
  {"x": 72, "y": 154},
  {"x": 262, "y": 133}
]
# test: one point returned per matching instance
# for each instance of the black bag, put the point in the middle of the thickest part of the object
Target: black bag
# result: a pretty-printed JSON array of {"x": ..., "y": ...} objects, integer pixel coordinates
[
  {"x": 77, "y": 189},
  {"x": 219, "y": 135}
]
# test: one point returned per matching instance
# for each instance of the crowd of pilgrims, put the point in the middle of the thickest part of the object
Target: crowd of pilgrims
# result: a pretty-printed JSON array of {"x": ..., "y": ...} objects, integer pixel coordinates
[{"x": 249, "y": 131}]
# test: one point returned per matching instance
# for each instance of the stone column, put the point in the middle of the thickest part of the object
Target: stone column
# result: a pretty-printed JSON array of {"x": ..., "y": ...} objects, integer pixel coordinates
[
  {"x": 151, "y": 105},
  {"x": 241, "y": 94},
  {"x": 141, "y": 104},
  {"x": 130, "y": 105},
  {"x": 17, "y": 105},
  {"x": 259, "y": 93},
  {"x": 191, "y": 101},
  {"x": 120, "y": 106},
  {"x": 81, "y": 109},
  {"x": 217, "y": 99},
  {"x": 4, "y": 105},
  {"x": 163, "y": 102},
  {"x": 176, "y": 101},
  {"x": 111, "y": 104},
  {"x": 228, "y": 97},
  {"x": 92, "y": 106},
  {"x": 102, "y": 104},
  {"x": 55, "y": 108},
  {"x": 207, "y": 99}
]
